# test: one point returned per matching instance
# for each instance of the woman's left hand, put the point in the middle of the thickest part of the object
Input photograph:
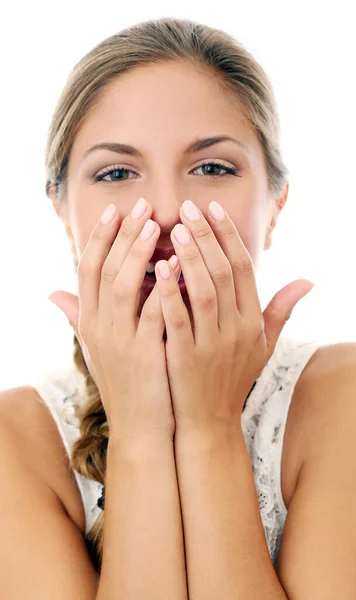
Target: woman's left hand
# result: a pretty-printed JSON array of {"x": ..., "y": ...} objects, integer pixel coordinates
[{"x": 213, "y": 365}]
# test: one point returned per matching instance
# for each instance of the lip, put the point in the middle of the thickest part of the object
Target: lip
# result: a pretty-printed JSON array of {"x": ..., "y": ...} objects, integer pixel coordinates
[{"x": 162, "y": 254}]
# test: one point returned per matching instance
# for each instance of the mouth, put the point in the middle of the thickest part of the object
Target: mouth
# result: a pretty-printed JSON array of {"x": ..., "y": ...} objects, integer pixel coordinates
[
  {"x": 149, "y": 282},
  {"x": 160, "y": 254},
  {"x": 150, "y": 272}
]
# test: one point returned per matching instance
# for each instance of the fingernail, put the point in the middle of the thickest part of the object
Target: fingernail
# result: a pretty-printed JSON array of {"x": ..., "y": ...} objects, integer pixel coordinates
[
  {"x": 182, "y": 234},
  {"x": 108, "y": 214},
  {"x": 148, "y": 230},
  {"x": 216, "y": 211},
  {"x": 164, "y": 270},
  {"x": 139, "y": 209},
  {"x": 190, "y": 210},
  {"x": 173, "y": 261}
]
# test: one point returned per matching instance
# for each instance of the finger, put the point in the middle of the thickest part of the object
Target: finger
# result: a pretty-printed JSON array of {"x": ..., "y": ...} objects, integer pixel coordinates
[
  {"x": 175, "y": 312},
  {"x": 113, "y": 291},
  {"x": 200, "y": 287},
  {"x": 90, "y": 265},
  {"x": 126, "y": 286},
  {"x": 69, "y": 305},
  {"x": 151, "y": 322},
  {"x": 246, "y": 293},
  {"x": 280, "y": 308},
  {"x": 216, "y": 263}
]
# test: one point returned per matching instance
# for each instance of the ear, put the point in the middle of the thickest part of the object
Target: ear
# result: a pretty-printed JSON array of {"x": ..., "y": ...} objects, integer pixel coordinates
[
  {"x": 51, "y": 193},
  {"x": 277, "y": 205},
  {"x": 62, "y": 214}
]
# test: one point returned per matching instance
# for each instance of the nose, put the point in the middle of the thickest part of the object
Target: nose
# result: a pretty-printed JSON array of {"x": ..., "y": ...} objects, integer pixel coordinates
[{"x": 165, "y": 208}]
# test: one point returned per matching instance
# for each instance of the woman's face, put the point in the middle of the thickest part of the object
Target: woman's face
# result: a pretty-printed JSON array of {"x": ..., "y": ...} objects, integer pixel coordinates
[{"x": 161, "y": 110}]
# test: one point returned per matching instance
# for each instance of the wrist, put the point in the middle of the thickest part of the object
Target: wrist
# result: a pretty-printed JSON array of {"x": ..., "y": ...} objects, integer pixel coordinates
[
  {"x": 139, "y": 448},
  {"x": 200, "y": 441}
]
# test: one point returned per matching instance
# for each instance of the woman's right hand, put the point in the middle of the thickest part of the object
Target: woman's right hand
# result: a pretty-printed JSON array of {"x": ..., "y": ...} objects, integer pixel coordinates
[{"x": 124, "y": 353}]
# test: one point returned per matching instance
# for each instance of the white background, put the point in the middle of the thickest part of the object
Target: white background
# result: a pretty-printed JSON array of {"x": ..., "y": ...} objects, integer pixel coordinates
[{"x": 308, "y": 50}]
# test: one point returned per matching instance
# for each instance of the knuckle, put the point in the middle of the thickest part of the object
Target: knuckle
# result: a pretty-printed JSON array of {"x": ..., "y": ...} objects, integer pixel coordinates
[
  {"x": 244, "y": 264},
  {"x": 177, "y": 321},
  {"x": 191, "y": 254},
  {"x": 231, "y": 341},
  {"x": 171, "y": 292},
  {"x": 125, "y": 230},
  {"x": 137, "y": 251},
  {"x": 202, "y": 232},
  {"x": 121, "y": 291},
  {"x": 205, "y": 300},
  {"x": 255, "y": 329},
  {"x": 230, "y": 232},
  {"x": 99, "y": 233},
  {"x": 151, "y": 313},
  {"x": 85, "y": 269},
  {"x": 108, "y": 273},
  {"x": 222, "y": 275}
]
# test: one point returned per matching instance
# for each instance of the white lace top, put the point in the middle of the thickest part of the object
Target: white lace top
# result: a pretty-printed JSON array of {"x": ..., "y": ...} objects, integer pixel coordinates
[{"x": 263, "y": 423}]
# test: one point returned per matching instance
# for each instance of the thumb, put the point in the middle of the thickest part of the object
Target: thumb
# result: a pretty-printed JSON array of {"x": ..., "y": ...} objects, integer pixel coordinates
[
  {"x": 69, "y": 305},
  {"x": 280, "y": 309}
]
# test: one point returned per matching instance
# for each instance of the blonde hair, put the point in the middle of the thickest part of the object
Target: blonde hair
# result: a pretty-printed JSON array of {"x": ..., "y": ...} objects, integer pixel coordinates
[{"x": 160, "y": 40}]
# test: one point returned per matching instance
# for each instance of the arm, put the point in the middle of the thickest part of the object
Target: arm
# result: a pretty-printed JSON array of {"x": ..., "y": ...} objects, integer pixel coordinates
[
  {"x": 226, "y": 551},
  {"x": 42, "y": 552},
  {"x": 317, "y": 557},
  {"x": 143, "y": 556}
]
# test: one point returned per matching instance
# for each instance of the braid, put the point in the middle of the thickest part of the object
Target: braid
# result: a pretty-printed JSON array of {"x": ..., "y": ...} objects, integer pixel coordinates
[{"x": 88, "y": 455}]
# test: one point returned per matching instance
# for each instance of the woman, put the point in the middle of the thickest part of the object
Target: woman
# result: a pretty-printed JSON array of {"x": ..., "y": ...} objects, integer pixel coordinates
[{"x": 163, "y": 160}]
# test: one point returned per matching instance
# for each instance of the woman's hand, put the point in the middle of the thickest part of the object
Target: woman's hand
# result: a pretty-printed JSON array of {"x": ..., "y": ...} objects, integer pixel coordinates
[
  {"x": 125, "y": 354},
  {"x": 213, "y": 365}
]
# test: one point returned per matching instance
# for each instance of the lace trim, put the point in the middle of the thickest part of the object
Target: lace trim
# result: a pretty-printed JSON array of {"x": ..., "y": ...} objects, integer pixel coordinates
[{"x": 263, "y": 424}]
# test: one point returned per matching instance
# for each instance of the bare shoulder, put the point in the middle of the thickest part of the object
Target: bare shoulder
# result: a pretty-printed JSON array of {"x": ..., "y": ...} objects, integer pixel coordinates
[
  {"x": 325, "y": 390},
  {"x": 326, "y": 393},
  {"x": 318, "y": 542},
  {"x": 25, "y": 415}
]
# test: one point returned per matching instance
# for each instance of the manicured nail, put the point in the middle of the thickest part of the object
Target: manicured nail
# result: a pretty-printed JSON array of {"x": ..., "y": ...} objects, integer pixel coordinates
[
  {"x": 182, "y": 234},
  {"x": 190, "y": 210},
  {"x": 139, "y": 209},
  {"x": 216, "y": 211},
  {"x": 108, "y": 214},
  {"x": 148, "y": 230},
  {"x": 173, "y": 261},
  {"x": 164, "y": 270}
]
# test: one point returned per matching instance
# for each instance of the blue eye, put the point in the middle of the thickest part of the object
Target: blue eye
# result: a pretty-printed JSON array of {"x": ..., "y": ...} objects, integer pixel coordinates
[
  {"x": 114, "y": 172},
  {"x": 111, "y": 172},
  {"x": 216, "y": 165}
]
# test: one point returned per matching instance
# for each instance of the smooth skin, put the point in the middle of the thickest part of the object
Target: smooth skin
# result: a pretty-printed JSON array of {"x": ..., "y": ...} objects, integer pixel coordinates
[
  {"x": 156, "y": 109},
  {"x": 160, "y": 109},
  {"x": 123, "y": 351},
  {"x": 213, "y": 365},
  {"x": 126, "y": 354}
]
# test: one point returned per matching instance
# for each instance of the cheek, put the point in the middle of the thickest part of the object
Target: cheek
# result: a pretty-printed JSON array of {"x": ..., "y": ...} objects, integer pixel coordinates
[
  {"x": 83, "y": 228},
  {"x": 84, "y": 214},
  {"x": 249, "y": 224}
]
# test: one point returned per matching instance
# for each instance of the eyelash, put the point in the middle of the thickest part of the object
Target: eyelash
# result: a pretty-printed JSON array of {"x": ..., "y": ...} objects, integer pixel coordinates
[{"x": 229, "y": 171}]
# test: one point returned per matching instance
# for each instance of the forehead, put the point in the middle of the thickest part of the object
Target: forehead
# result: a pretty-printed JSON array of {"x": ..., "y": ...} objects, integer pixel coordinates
[{"x": 170, "y": 102}]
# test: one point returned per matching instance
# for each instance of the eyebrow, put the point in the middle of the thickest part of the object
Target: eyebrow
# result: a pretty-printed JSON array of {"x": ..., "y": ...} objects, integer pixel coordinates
[{"x": 195, "y": 146}]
